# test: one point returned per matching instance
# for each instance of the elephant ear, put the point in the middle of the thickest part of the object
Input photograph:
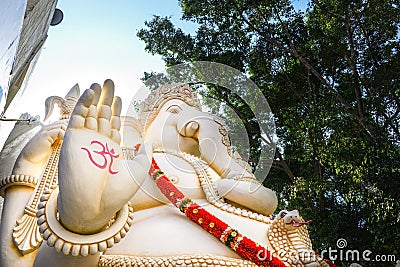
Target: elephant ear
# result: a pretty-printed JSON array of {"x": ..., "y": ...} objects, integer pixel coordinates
[{"x": 49, "y": 105}]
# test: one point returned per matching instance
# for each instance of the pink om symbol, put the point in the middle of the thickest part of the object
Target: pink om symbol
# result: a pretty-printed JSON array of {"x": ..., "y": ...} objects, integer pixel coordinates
[{"x": 105, "y": 151}]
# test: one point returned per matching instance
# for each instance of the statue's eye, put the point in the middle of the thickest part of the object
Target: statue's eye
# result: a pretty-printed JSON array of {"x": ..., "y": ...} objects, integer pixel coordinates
[
  {"x": 283, "y": 214},
  {"x": 174, "y": 109}
]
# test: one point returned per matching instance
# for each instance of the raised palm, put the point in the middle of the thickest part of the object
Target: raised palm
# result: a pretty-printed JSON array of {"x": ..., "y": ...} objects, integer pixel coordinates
[{"x": 95, "y": 181}]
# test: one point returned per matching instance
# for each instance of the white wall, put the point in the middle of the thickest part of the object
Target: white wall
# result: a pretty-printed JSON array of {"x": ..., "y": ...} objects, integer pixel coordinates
[{"x": 11, "y": 20}]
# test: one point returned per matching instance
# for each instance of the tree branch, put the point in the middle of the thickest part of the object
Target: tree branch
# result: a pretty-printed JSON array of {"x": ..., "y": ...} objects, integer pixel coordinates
[
  {"x": 293, "y": 51},
  {"x": 352, "y": 61}
]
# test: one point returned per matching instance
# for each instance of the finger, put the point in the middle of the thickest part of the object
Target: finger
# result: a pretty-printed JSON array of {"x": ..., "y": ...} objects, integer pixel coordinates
[
  {"x": 58, "y": 124},
  {"x": 115, "y": 113},
  {"x": 116, "y": 106},
  {"x": 115, "y": 136},
  {"x": 97, "y": 92},
  {"x": 140, "y": 166},
  {"x": 55, "y": 134},
  {"x": 61, "y": 135},
  {"x": 84, "y": 103},
  {"x": 104, "y": 126},
  {"x": 107, "y": 93},
  {"x": 55, "y": 126},
  {"x": 145, "y": 154},
  {"x": 115, "y": 121},
  {"x": 91, "y": 118},
  {"x": 131, "y": 131},
  {"x": 104, "y": 108},
  {"x": 81, "y": 109}
]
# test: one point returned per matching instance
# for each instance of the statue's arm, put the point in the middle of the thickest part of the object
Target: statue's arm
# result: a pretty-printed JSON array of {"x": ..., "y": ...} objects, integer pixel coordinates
[
  {"x": 13, "y": 209},
  {"x": 95, "y": 184},
  {"x": 249, "y": 194},
  {"x": 238, "y": 185},
  {"x": 19, "y": 187},
  {"x": 94, "y": 179}
]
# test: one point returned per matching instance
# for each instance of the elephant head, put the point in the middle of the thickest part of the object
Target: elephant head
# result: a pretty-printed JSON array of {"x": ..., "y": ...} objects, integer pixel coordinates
[{"x": 172, "y": 119}]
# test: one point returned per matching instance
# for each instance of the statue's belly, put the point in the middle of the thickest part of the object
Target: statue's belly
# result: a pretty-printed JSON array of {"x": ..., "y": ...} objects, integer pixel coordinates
[{"x": 165, "y": 231}]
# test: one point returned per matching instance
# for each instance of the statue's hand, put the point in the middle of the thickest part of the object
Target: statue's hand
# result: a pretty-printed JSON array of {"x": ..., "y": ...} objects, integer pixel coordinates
[
  {"x": 94, "y": 179},
  {"x": 248, "y": 194},
  {"x": 35, "y": 153},
  {"x": 131, "y": 132},
  {"x": 215, "y": 147}
]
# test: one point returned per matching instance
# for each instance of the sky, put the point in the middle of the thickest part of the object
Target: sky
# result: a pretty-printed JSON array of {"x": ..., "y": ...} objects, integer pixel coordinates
[{"x": 95, "y": 41}]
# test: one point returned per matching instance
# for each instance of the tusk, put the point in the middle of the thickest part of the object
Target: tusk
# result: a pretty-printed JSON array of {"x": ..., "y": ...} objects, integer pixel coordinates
[{"x": 191, "y": 128}]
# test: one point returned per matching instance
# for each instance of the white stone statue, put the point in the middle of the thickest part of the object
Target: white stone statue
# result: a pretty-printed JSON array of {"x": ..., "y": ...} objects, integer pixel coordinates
[{"x": 85, "y": 194}]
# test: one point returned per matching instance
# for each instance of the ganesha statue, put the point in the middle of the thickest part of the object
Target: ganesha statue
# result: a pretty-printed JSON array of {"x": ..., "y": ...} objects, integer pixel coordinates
[{"x": 161, "y": 189}]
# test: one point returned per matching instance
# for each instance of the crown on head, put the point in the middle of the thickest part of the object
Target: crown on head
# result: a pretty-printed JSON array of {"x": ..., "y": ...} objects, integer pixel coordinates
[{"x": 150, "y": 107}]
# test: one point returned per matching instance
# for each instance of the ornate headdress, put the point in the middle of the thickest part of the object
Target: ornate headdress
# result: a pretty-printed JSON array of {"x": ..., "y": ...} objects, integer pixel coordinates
[{"x": 150, "y": 107}]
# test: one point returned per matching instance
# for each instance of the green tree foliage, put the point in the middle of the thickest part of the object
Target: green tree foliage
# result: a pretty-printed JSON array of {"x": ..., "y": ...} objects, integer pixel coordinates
[{"x": 331, "y": 74}]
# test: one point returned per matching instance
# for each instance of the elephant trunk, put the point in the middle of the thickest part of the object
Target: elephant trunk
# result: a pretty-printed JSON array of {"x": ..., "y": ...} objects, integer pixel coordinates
[{"x": 190, "y": 129}]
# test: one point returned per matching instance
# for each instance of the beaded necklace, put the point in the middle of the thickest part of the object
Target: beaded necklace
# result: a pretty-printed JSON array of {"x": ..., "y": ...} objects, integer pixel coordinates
[
  {"x": 231, "y": 237},
  {"x": 209, "y": 189}
]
